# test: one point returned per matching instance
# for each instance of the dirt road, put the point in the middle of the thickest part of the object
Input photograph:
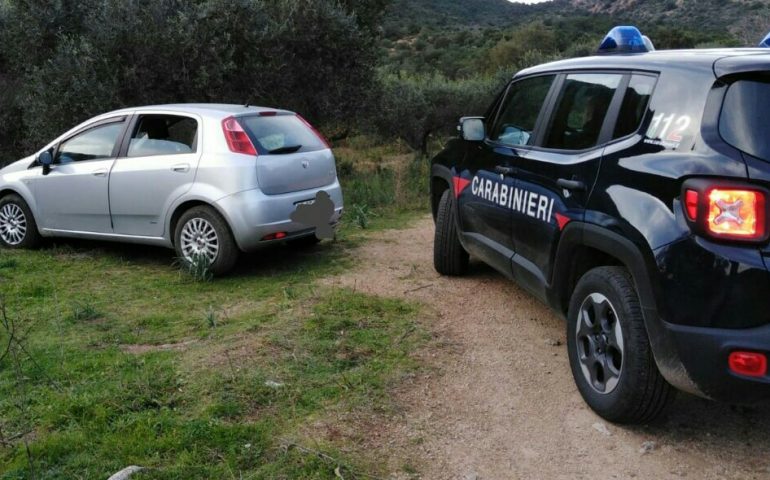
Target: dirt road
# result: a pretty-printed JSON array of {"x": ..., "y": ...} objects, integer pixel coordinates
[{"x": 500, "y": 402}]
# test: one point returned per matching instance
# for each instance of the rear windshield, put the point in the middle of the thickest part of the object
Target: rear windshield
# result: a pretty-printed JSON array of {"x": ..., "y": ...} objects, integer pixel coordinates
[
  {"x": 281, "y": 134},
  {"x": 745, "y": 119}
]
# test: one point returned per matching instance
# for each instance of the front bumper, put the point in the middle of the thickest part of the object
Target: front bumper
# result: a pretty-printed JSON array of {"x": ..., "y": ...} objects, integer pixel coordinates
[{"x": 252, "y": 215}]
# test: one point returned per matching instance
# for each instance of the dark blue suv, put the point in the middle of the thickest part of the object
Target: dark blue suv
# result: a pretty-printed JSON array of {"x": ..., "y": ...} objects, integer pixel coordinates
[{"x": 630, "y": 192}]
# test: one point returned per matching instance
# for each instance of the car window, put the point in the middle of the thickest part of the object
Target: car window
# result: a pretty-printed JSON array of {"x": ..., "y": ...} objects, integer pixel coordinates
[
  {"x": 163, "y": 135},
  {"x": 281, "y": 133},
  {"x": 743, "y": 121},
  {"x": 96, "y": 143},
  {"x": 635, "y": 102},
  {"x": 515, "y": 124},
  {"x": 580, "y": 111}
]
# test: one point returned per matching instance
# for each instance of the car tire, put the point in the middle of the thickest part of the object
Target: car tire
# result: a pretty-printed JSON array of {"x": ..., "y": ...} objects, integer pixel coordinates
[
  {"x": 449, "y": 256},
  {"x": 18, "y": 228},
  {"x": 609, "y": 350},
  {"x": 202, "y": 230}
]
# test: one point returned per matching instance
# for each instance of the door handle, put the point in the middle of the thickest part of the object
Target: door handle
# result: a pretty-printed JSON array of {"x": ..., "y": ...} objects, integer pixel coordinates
[
  {"x": 181, "y": 168},
  {"x": 576, "y": 185},
  {"x": 102, "y": 172},
  {"x": 503, "y": 170}
]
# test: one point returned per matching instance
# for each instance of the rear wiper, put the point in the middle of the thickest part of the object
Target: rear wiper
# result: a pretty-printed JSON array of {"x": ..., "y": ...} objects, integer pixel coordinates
[{"x": 287, "y": 149}]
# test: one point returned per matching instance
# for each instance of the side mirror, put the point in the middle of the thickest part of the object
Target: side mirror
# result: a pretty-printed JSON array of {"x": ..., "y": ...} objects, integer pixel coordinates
[
  {"x": 45, "y": 159},
  {"x": 472, "y": 129}
]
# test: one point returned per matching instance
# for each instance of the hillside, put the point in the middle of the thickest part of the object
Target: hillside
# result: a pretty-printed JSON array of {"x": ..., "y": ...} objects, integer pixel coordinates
[{"x": 746, "y": 20}]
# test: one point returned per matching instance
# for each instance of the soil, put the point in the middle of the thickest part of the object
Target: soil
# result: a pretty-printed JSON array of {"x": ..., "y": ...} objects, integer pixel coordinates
[{"x": 498, "y": 401}]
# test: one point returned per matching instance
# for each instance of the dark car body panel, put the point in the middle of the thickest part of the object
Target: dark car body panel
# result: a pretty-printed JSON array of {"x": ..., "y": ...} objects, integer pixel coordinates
[{"x": 701, "y": 297}]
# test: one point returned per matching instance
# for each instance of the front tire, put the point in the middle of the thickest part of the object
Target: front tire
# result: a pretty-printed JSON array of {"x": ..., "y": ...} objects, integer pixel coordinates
[
  {"x": 609, "y": 351},
  {"x": 449, "y": 256},
  {"x": 18, "y": 228},
  {"x": 201, "y": 231}
]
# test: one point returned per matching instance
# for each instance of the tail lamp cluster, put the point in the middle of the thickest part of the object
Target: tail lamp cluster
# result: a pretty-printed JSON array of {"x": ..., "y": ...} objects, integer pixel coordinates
[
  {"x": 726, "y": 211},
  {"x": 238, "y": 141}
]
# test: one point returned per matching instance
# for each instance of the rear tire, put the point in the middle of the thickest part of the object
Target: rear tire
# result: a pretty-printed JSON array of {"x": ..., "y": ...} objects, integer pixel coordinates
[
  {"x": 202, "y": 231},
  {"x": 609, "y": 351},
  {"x": 449, "y": 256},
  {"x": 18, "y": 228}
]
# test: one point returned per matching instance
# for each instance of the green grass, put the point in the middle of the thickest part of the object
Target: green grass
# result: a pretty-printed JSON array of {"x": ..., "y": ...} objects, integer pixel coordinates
[{"x": 133, "y": 361}]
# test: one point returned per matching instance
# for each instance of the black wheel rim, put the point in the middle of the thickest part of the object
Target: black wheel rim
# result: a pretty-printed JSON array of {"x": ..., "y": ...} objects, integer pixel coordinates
[{"x": 599, "y": 337}]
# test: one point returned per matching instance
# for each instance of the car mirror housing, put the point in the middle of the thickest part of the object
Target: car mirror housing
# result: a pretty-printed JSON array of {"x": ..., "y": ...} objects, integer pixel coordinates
[
  {"x": 45, "y": 159},
  {"x": 472, "y": 129}
]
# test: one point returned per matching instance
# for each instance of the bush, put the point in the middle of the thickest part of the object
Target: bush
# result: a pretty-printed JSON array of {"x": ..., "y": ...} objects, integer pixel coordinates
[
  {"x": 84, "y": 58},
  {"x": 415, "y": 108}
]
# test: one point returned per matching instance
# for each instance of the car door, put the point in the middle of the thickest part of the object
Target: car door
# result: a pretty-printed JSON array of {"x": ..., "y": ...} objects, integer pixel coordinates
[
  {"x": 557, "y": 176},
  {"x": 485, "y": 205},
  {"x": 73, "y": 195},
  {"x": 157, "y": 165}
]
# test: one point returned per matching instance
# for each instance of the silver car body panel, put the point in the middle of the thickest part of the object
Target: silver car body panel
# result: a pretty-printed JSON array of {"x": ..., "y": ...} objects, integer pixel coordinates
[{"x": 136, "y": 199}]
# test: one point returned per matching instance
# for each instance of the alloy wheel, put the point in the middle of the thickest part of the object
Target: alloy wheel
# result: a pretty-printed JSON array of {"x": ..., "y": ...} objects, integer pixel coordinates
[
  {"x": 199, "y": 238},
  {"x": 599, "y": 343},
  {"x": 13, "y": 224}
]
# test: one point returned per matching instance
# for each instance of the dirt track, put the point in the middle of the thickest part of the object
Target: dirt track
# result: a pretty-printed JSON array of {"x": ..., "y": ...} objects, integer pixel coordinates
[{"x": 500, "y": 402}]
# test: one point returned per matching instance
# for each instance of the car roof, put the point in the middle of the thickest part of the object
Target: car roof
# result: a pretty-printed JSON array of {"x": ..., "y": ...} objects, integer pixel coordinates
[
  {"x": 217, "y": 110},
  {"x": 722, "y": 60}
]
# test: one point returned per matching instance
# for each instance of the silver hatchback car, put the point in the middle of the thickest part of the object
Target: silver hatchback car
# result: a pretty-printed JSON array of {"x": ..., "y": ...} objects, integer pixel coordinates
[{"x": 208, "y": 180}]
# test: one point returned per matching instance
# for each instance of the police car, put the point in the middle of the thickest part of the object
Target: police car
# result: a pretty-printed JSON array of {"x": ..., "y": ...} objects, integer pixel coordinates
[{"x": 630, "y": 192}]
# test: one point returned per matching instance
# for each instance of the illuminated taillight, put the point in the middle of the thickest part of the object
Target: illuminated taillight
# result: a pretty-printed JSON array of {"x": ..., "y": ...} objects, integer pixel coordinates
[
  {"x": 726, "y": 210},
  {"x": 736, "y": 213},
  {"x": 318, "y": 134},
  {"x": 237, "y": 139},
  {"x": 751, "y": 364},
  {"x": 691, "y": 204}
]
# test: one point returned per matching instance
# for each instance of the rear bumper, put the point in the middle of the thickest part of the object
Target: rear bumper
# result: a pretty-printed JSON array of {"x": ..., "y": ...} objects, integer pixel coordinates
[
  {"x": 701, "y": 354},
  {"x": 252, "y": 215}
]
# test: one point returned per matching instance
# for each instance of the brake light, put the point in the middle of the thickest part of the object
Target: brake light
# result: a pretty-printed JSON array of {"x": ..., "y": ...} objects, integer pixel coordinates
[
  {"x": 751, "y": 364},
  {"x": 725, "y": 210},
  {"x": 736, "y": 213},
  {"x": 314, "y": 130},
  {"x": 691, "y": 204},
  {"x": 237, "y": 139}
]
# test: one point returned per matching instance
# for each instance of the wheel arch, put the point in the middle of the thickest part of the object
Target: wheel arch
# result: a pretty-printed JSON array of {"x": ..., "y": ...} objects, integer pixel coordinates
[
  {"x": 603, "y": 245},
  {"x": 186, "y": 205},
  {"x": 25, "y": 195},
  {"x": 440, "y": 181}
]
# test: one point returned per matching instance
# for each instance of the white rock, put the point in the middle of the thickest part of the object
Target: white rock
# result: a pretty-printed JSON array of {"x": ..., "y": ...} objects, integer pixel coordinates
[
  {"x": 601, "y": 428},
  {"x": 126, "y": 473}
]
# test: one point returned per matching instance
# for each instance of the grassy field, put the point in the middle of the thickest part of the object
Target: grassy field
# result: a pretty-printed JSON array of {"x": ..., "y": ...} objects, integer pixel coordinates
[{"x": 118, "y": 358}]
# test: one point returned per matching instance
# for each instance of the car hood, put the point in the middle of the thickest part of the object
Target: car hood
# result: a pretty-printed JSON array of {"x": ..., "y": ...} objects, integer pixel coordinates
[{"x": 18, "y": 166}]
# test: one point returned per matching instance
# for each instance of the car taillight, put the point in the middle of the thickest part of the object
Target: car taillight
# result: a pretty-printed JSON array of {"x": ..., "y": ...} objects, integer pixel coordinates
[
  {"x": 237, "y": 139},
  {"x": 751, "y": 364},
  {"x": 726, "y": 211},
  {"x": 314, "y": 130},
  {"x": 736, "y": 213}
]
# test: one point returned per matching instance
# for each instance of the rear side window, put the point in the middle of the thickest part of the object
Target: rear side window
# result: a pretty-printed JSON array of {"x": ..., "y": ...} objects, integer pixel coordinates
[
  {"x": 163, "y": 135},
  {"x": 635, "y": 102},
  {"x": 743, "y": 122},
  {"x": 515, "y": 124},
  {"x": 581, "y": 109},
  {"x": 281, "y": 134}
]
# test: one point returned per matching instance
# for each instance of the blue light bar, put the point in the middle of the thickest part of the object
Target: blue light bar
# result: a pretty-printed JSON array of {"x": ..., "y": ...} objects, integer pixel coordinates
[
  {"x": 625, "y": 39},
  {"x": 765, "y": 42}
]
